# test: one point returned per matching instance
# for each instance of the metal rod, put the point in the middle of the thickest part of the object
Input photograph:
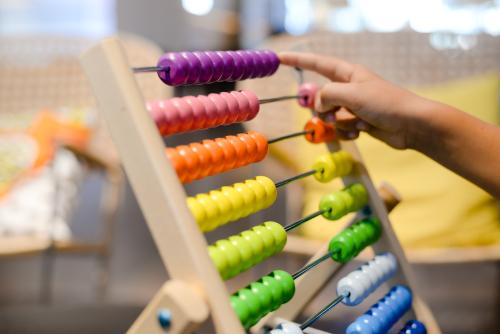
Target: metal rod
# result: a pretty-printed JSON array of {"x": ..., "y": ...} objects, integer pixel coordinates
[
  {"x": 303, "y": 220},
  {"x": 293, "y": 178},
  {"x": 325, "y": 310},
  {"x": 149, "y": 69},
  {"x": 311, "y": 265},
  {"x": 291, "y": 135},
  {"x": 281, "y": 98}
]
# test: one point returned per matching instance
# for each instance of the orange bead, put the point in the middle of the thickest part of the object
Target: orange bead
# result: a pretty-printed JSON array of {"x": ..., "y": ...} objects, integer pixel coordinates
[
  {"x": 241, "y": 150},
  {"x": 205, "y": 158},
  {"x": 192, "y": 162},
  {"x": 251, "y": 146},
  {"x": 321, "y": 132},
  {"x": 261, "y": 143},
  {"x": 217, "y": 155},
  {"x": 178, "y": 162},
  {"x": 229, "y": 153}
]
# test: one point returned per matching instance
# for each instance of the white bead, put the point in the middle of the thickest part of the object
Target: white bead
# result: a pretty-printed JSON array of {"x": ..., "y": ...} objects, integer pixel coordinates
[{"x": 287, "y": 328}]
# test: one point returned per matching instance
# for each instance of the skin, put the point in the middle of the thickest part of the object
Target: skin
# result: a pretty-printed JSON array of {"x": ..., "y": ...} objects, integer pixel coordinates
[{"x": 357, "y": 100}]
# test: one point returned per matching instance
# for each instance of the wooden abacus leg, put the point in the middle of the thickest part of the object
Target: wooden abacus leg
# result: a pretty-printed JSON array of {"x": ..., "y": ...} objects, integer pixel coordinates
[{"x": 185, "y": 308}]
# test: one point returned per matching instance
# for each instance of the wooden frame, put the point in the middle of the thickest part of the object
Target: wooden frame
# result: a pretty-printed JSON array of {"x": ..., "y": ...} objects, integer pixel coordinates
[{"x": 162, "y": 199}]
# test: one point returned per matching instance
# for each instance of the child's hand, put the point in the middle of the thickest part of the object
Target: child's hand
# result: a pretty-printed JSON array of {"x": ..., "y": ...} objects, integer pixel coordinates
[{"x": 361, "y": 100}]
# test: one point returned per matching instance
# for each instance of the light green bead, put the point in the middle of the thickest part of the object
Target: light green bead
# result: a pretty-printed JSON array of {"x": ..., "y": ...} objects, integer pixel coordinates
[
  {"x": 267, "y": 238},
  {"x": 256, "y": 243},
  {"x": 279, "y": 234},
  {"x": 232, "y": 256},
  {"x": 219, "y": 260},
  {"x": 246, "y": 254}
]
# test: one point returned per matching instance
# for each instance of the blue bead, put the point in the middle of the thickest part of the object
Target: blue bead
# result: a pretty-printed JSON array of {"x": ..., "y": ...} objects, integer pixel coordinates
[
  {"x": 359, "y": 327},
  {"x": 413, "y": 327}
]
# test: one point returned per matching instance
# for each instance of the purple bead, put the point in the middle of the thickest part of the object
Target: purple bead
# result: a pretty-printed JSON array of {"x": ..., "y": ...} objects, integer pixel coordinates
[
  {"x": 178, "y": 69},
  {"x": 228, "y": 65},
  {"x": 258, "y": 63},
  {"x": 194, "y": 67},
  {"x": 238, "y": 65},
  {"x": 206, "y": 69},
  {"x": 275, "y": 61},
  {"x": 266, "y": 62},
  {"x": 218, "y": 65},
  {"x": 248, "y": 67}
]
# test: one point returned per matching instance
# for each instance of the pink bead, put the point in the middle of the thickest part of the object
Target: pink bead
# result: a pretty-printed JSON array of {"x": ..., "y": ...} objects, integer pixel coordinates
[
  {"x": 206, "y": 113},
  {"x": 171, "y": 115},
  {"x": 307, "y": 93},
  {"x": 185, "y": 114},
  {"x": 243, "y": 106},
  {"x": 157, "y": 115},
  {"x": 233, "y": 108},
  {"x": 221, "y": 112},
  {"x": 199, "y": 118},
  {"x": 253, "y": 102}
]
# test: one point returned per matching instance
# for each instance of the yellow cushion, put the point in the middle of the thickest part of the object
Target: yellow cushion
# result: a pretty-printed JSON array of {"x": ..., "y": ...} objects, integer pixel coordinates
[{"x": 439, "y": 208}]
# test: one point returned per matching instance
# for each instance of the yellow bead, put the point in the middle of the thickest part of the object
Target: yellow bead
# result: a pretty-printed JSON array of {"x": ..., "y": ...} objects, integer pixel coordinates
[
  {"x": 224, "y": 205},
  {"x": 248, "y": 198},
  {"x": 270, "y": 189},
  {"x": 197, "y": 210},
  {"x": 236, "y": 200},
  {"x": 325, "y": 168},
  {"x": 260, "y": 194},
  {"x": 211, "y": 220}
]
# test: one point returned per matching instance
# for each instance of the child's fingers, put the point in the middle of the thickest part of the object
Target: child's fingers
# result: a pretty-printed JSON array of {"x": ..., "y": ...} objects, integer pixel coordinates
[
  {"x": 335, "y": 94},
  {"x": 347, "y": 135},
  {"x": 332, "y": 68}
]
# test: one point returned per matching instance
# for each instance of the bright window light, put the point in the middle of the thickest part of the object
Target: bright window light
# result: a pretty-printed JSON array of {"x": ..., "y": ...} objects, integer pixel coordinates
[
  {"x": 198, "y": 7},
  {"x": 345, "y": 20},
  {"x": 427, "y": 15},
  {"x": 491, "y": 21},
  {"x": 382, "y": 15},
  {"x": 298, "y": 16}
]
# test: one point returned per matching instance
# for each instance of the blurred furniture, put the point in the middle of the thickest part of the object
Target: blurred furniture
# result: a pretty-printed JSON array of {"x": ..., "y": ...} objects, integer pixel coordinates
[{"x": 38, "y": 72}]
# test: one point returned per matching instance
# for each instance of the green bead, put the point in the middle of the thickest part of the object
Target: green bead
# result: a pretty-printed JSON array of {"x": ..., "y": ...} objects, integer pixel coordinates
[
  {"x": 267, "y": 239},
  {"x": 241, "y": 309},
  {"x": 253, "y": 303},
  {"x": 363, "y": 234},
  {"x": 246, "y": 254},
  {"x": 256, "y": 243},
  {"x": 275, "y": 291},
  {"x": 377, "y": 226},
  {"x": 342, "y": 248},
  {"x": 333, "y": 206},
  {"x": 264, "y": 296},
  {"x": 219, "y": 260},
  {"x": 232, "y": 256},
  {"x": 279, "y": 234},
  {"x": 360, "y": 195},
  {"x": 357, "y": 240},
  {"x": 349, "y": 201},
  {"x": 287, "y": 284}
]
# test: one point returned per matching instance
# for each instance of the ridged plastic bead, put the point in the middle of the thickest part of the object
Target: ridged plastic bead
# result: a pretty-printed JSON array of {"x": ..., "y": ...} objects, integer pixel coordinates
[
  {"x": 413, "y": 327},
  {"x": 263, "y": 296},
  {"x": 189, "y": 113},
  {"x": 287, "y": 328},
  {"x": 383, "y": 314},
  {"x": 231, "y": 203},
  {"x": 337, "y": 204},
  {"x": 307, "y": 94},
  {"x": 240, "y": 252},
  {"x": 361, "y": 282},
  {"x": 319, "y": 131},
  {"x": 210, "y": 157},
  {"x": 202, "y": 67},
  {"x": 351, "y": 241},
  {"x": 331, "y": 165}
]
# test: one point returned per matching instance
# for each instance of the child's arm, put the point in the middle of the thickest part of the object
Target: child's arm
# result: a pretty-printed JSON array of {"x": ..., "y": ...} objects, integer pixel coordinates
[{"x": 363, "y": 101}]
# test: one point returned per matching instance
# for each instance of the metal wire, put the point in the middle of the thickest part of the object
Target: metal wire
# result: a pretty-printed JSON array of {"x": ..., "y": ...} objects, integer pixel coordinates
[
  {"x": 293, "y": 178},
  {"x": 149, "y": 69},
  {"x": 280, "y": 98},
  {"x": 291, "y": 135},
  {"x": 323, "y": 311},
  {"x": 311, "y": 265},
  {"x": 303, "y": 220}
]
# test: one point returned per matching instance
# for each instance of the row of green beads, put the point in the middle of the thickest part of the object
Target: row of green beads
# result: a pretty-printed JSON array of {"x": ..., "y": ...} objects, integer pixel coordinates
[
  {"x": 240, "y": 252},
  {"x": 337, "y": 204},
  {"x": 259, "y": 298},
  {"x": 350, "y": 242}
]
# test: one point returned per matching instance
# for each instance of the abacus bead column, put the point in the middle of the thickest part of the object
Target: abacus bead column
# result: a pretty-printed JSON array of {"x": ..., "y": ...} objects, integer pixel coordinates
[
  {"x": 319, "y": 131},
  {"x": 383, "y": 314},
  {"x": 240, "y": 252},
  {"x": 413, "y": 327},
  {"x": 189, "y": 113},
  {"x": 231, "y": 203},
  {"x": 198, "y": 160},
  {"x": 263, "y": 296},
  {"x": 358, "y": 284},
  {"x": 201, "y": 67},
  {"x": 351, "y": 241},
  {"x": 350, "y": 199},
  {"x": 287, "y": 328},
  {"x": 331, "y": 165}
]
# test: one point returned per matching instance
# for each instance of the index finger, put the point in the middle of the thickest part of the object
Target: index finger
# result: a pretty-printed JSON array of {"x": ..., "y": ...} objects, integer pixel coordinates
[{"x": 333, "y": 68}]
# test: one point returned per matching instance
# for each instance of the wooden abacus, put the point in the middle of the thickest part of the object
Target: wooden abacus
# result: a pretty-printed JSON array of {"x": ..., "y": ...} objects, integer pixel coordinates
[{"x": 196, "y": 294}]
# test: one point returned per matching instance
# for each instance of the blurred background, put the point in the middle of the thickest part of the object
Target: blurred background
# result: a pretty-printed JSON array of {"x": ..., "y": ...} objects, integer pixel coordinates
[{"x": 75, "y": 252}]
